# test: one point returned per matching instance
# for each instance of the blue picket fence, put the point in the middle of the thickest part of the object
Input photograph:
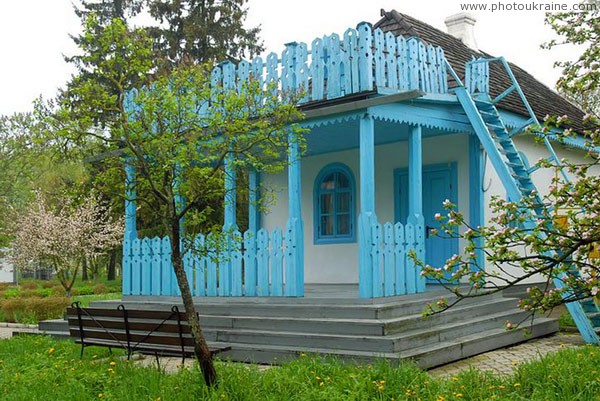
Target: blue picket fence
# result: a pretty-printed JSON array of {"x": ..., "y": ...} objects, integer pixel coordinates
[
  {"x": 258, "y": 263},
  {"x": 388, "y": 269}
]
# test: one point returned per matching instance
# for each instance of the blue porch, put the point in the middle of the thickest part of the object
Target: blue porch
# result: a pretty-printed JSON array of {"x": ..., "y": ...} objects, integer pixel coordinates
[{"x": 363, "y": 90}]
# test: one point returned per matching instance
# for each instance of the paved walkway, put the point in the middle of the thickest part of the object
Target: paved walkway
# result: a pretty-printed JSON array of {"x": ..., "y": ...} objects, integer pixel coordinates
[
  {"x": 504, "y": 360},
  {"x": 501, "y": 361},
  {"x": 6, "y": 329}
]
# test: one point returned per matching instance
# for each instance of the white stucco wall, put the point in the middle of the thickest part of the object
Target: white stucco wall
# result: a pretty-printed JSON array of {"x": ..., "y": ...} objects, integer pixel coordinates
[
  {"x": 338, "y": 263},
  {"x": 542, "y": 178},
  {"x": 7, "y": 274}
]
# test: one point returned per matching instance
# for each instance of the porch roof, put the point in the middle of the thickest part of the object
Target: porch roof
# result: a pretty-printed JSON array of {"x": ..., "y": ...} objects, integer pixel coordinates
[{"x": 335, "y": 124}]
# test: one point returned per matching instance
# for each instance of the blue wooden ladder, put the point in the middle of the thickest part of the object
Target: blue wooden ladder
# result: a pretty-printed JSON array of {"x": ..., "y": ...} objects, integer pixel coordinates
[{"x": 497, "y": 141}]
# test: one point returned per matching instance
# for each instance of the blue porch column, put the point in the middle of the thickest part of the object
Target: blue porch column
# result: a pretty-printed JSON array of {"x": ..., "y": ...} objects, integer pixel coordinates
[
  {"x": 414, "y": 281},
  {"x": 130, "y": 206},
  {"x": 130, "y": 227},
  {"x": 415, "y": 173},
  {"x": 230, "y": 193},
  {"x": 294, "y": 274},
  {"x": 367, "y": 205},
  {"x": 476, "y": 202},
  {"x": 226, "y": 265}
]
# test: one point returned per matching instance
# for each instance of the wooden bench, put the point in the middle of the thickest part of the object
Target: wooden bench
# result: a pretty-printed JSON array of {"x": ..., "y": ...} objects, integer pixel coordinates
[{"x": 162, "y": 333}]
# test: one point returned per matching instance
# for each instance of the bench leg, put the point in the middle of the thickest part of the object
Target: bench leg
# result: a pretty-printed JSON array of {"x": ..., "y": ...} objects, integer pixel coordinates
[
  {"x": 81, "y": 353},
  {"x": 157, "y": 360}
]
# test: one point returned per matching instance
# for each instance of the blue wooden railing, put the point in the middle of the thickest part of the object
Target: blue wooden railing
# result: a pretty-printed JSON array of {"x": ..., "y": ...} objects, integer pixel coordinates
[
  {"x": 333, "y": 67},
  {"x": 477, "y": 77},
  {"x": 256, "y": 264},
  {"x": 390, "y": 268},
  {"x": 361, "y": 60}
]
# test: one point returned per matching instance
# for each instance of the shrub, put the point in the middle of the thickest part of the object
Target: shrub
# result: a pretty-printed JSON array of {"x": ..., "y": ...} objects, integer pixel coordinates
[
  {"x": 29, "y": 285},
  {"x": 51, "y": 284},
  {"x": 83, "y": 290},
  {"x": 29, "y": 293},
  {"x": 32, "y": 310},
  {"x": 100, "y": 289},
  {"x": 59, "y": 291},
  {"x": 11, "y": 292},
  {"x": 44, "y": 292},
  {"x": 4, "y": 286}
]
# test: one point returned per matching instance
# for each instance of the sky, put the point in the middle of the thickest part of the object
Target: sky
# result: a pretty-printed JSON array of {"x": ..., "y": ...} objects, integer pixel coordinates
[{"x": 34, "y": 36}]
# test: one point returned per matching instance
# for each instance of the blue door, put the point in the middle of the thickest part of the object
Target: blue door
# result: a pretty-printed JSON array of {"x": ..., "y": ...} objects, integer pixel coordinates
[{"x": 439, "y": 184}]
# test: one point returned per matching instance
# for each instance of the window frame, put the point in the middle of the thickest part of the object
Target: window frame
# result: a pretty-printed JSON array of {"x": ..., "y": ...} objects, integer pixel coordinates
[{"x": 317, "y": 192}]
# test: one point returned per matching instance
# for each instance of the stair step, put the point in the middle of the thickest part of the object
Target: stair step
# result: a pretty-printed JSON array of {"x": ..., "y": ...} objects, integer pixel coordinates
[
  {"x": 277, "y": 354},
  {"x": 426, "y": 357},
  {"x": 589, "y": 305},
  {"x": 496, "y": 126},
  {"x": 344, "y": 309},
  {"x": 484, "y": 105},
  {"x": 466, "y": 346},
  {"x": 373, "y": 327},
  {"x": 517, "y": 168},
  {"x": 447, "y": 332},
  {"x": 511, "y": 154},
  {"x": 388, "y": 343},
  {"x": 489, "y": 116},
  {"x": 521, "y": 178},
  {"x": 54, "y": 325},
  {"x": 56, "y": 334}
]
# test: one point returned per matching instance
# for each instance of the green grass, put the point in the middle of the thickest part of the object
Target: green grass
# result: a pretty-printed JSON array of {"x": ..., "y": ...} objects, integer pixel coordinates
[
  {"x": 566, "y": 320},
  {"x": 85, "y": 300},
  {"x": 40, "y": 368}
]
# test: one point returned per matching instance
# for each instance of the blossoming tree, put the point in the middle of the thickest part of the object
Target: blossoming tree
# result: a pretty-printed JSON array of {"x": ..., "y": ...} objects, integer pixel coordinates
[{"x": 62, "y": 238}]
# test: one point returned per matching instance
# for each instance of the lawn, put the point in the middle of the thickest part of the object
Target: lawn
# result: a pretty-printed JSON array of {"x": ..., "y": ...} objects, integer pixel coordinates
[{"x": 41, "y": 368}]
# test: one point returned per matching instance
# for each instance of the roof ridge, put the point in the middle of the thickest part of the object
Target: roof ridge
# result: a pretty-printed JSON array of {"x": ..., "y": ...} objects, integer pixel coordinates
[{"x": 406, "y": 21}]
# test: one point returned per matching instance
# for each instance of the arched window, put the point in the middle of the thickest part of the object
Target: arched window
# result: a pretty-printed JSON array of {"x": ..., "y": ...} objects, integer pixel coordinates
[{"x": 334, "y": 205}]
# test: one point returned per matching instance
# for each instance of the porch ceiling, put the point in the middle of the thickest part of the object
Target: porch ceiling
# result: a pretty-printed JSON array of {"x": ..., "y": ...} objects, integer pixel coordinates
[{"x": 343, "y": 135}]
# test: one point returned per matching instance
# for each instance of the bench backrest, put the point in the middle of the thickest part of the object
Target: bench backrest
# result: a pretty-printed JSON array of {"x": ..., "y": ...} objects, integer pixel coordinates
[{"x": 130, "y": 327}]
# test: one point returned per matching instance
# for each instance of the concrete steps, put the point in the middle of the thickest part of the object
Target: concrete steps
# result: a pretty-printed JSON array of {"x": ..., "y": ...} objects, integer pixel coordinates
[
  {"x": 425, "y": 357},
  {"x": 274, "y": 330}
]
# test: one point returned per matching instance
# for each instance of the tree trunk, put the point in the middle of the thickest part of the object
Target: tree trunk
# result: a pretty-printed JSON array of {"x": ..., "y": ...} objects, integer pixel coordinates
[
  {"x": 203, "y": 354},
  {"x": 84, "y": 270},
  {"x": 112, "y": 265}
]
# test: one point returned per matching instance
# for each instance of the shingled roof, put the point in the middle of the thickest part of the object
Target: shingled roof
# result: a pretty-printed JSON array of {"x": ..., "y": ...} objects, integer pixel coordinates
[{"x": 543, "y": 100}]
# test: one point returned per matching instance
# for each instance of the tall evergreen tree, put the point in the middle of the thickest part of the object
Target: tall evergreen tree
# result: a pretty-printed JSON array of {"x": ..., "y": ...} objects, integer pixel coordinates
[
  {"x": 196, "y": 31},
  {"x": 110, "y": 56},
  {"x": 107, "y": 10}
]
